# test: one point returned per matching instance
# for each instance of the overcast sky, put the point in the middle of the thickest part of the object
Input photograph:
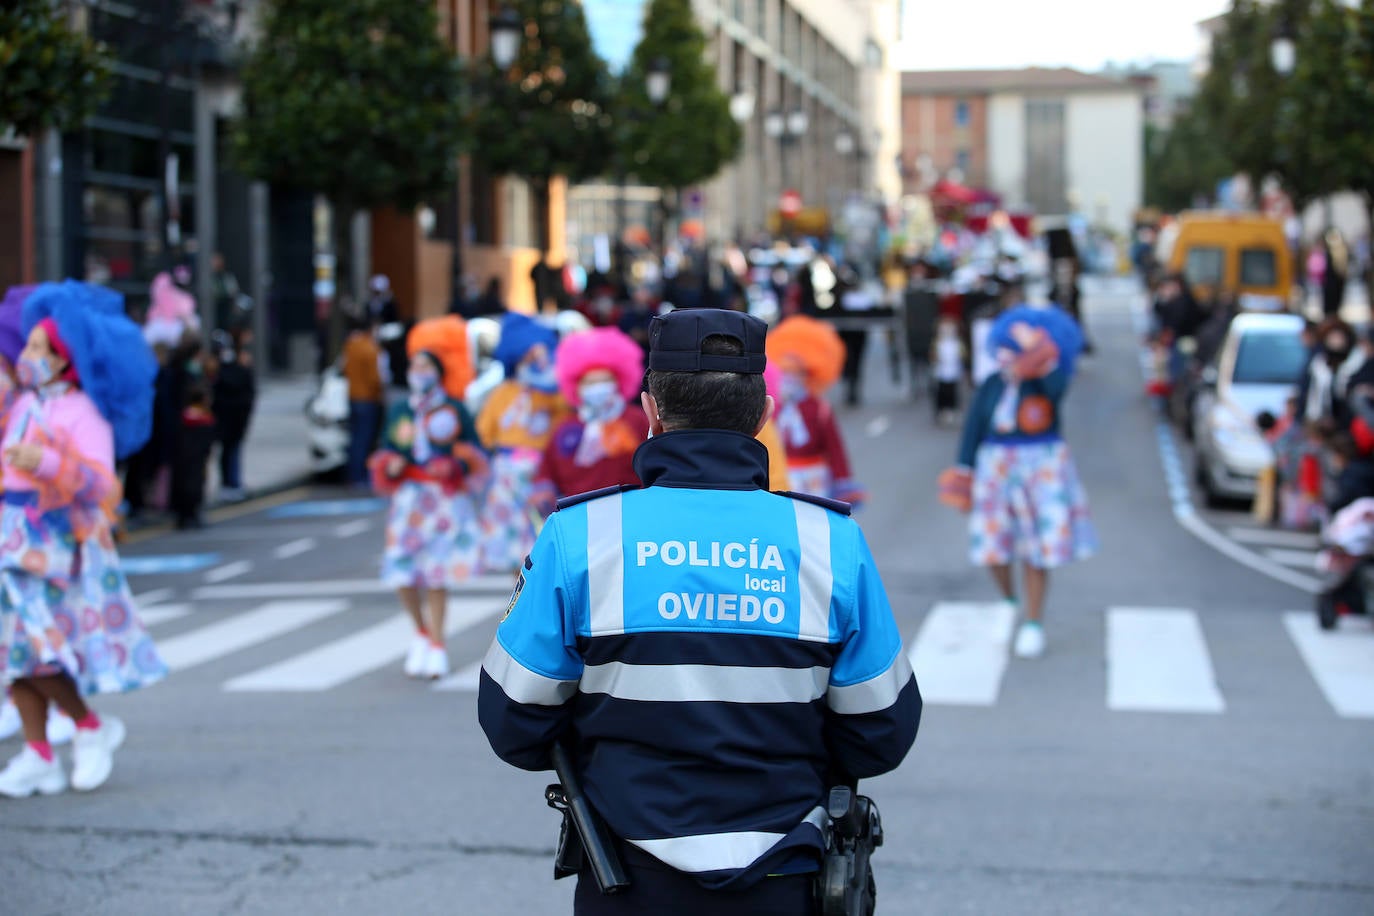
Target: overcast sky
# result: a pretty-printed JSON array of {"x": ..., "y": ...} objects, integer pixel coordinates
[{"x": 1085, "y": 34}]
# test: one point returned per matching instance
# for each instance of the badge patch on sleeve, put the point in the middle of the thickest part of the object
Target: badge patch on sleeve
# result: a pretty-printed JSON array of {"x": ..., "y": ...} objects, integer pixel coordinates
[{"x": 515, "y": 595}]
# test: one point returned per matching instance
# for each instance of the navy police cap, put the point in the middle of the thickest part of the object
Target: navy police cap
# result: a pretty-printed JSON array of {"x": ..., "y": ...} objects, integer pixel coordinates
[{"x": 675, "y": 341}]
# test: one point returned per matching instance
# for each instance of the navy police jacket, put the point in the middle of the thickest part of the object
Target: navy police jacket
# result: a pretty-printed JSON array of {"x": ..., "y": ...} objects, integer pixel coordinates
[{"x": 715, "y": 655}]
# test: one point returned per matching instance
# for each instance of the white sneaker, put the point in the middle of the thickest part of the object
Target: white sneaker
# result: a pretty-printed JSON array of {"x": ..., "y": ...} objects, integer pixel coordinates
[
  {"x": 93, "y": 754},
  {"x": 436, "y": 662},
  {"x": 416, "y": 656},
  {"x": 1030, "y": 640},
  {"x": 9, "y": 720},
  {"x": 28, "y": 773},
  {"x": 61, "y": 728}
]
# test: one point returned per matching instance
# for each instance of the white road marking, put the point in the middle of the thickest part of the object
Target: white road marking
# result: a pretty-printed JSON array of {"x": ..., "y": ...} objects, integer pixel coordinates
[
  {"x": 464, "y": 679},
  {"x": 229, "y": 571},
  {"x": 243, "y": 630},
  {"x": 961, "y": 652},
  {"x": 295, "y": 548},
  {"x": 344, "y": 659},
  {"x": 162, "y": 613},
  {"x": 1219, "y": 542},
  {"x": 1340, "y": 661},
  {"x": 1157, "y": 661},
  {"x": 496, "y": 584},
  {"x": 877, "y": 426},
  {"x": 156, "y": 596},
  {"x": 1299, "y": 559},
  {"x": 353, "y": 528},
  {"x": 1271, "y": 537}
]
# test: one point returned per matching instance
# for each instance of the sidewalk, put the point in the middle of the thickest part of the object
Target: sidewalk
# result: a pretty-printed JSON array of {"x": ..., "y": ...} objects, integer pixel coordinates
[{"x": 276, "y": 454}]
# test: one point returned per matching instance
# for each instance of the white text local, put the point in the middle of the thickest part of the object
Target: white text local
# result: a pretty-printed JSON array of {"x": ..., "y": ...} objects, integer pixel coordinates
[
  {"x": 712, "y": 553},
  {"x": 743, "y": 608}
]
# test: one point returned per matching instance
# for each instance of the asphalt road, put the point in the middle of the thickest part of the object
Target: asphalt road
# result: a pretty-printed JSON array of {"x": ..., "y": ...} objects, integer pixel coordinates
[{"x": 1187, "y": 745}]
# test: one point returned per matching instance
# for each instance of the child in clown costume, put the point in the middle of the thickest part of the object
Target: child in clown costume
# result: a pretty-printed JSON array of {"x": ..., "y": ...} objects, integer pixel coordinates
[
  {"x": 60, "y": 728},
  {"x": 431, "y": 467},
  {"x": 811, "y": 355},
  {"x": 1016, "y": 476},
  {"x": 600, "y": 373},
  {"x": 516, "y": 424},
  {"x": 68, "y": 627}
]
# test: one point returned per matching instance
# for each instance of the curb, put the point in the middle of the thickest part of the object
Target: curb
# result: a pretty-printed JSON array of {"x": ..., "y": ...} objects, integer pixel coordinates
[{"x": 160, "y": 524}]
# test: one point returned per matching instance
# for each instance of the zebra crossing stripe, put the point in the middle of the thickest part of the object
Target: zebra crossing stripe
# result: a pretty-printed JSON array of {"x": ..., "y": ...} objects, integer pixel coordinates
[
  {"x": 342, "y": 660},
  {"x": 960, "y": 653},
  {"x": 1299, "y": 559},
  {"x": 464, "y": 679},
  {"x": 1157, "y": 661},
  {"x": 243, "y": 630},
  {"x": 1341, "y": 662},
  {"x": 162, "y": 613}
]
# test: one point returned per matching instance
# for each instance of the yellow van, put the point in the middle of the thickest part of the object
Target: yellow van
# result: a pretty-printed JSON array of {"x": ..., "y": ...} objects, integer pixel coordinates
[{"x": 1244, "y": 254}]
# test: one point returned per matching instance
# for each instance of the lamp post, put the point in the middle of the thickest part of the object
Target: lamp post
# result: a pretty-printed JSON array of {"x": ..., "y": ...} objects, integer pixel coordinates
[
  {"x": 787, "y": 128},
  {"x": 844, "y": 147},
  {"x": 506, "y": 32},
  {"x": 741, "y": 111},
  {"x": 658, "y": 84},
  {"x": 1283, "y": 50}
]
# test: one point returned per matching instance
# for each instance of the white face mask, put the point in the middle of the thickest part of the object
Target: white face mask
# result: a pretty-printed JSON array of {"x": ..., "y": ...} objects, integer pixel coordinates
[
  {"x": 793, "y": 388},
  {"x": 601, "y": 401}
]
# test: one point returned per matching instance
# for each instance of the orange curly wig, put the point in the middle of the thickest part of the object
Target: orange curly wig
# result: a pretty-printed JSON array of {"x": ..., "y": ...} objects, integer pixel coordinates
[
  {"x": 446, "y": 338},
  {"x": 810, "y": 345}
]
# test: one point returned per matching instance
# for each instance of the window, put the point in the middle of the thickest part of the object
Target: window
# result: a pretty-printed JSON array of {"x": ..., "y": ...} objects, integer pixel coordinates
[
  {"x": 1269, "y": 358},
  {"x": 1205, "y": 265},
  {"x": 1258, "y": 267},
  {"x": 961, "y": 114}
]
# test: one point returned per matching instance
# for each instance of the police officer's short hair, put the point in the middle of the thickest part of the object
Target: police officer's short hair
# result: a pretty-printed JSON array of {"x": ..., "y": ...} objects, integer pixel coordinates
[{"x": 710, "y": 400}]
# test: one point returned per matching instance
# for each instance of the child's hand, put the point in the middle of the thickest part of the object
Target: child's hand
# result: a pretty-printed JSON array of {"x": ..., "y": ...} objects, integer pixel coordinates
[
  {"x": 395, "y": 466},
  {"x": 24, "y": 457}
]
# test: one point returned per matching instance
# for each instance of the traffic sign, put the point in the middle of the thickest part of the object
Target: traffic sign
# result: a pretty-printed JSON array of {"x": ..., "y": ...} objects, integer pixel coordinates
[{"x": 790, "y": 203}]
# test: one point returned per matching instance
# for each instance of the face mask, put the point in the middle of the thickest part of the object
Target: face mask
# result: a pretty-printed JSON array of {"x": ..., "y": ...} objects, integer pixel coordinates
[
  {"x": 34, "y": 371},
  {"x": 600, "y": 401},
  {"x": 540, "y": 378},
  {"x": 422, "y": 381},
  {"x": 793, "y": 388}
]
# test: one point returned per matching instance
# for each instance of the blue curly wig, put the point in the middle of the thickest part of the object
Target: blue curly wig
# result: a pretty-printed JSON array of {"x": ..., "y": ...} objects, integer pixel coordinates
[
  {"x": 113, "y": 363},
  {"x": 1053, "y": 320},
  {"x": 519, "y": 335}
]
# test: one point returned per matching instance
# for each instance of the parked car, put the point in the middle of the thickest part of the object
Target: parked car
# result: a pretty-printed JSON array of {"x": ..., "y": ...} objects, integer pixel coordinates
[{"x": 1260, "y": 362}]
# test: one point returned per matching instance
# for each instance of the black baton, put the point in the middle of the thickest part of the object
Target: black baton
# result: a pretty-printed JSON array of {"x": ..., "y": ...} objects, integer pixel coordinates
[{"x": 596, "y": 840}]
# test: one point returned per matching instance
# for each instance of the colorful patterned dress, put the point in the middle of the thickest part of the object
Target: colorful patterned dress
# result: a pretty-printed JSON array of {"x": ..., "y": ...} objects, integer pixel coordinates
[
  {"x": 1027, "y": 503},
  {"x": 65, "y": 605},
  {"x": 515, "y": 424},
  {"x": 432, "y": 532}
]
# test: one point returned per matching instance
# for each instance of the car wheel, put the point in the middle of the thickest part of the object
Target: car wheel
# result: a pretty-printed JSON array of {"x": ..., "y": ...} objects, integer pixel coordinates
[{"x": 1204, "y": 481}]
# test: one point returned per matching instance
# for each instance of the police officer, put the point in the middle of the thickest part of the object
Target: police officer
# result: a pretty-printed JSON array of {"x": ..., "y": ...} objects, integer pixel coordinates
[{"x": 713, "y": 655}]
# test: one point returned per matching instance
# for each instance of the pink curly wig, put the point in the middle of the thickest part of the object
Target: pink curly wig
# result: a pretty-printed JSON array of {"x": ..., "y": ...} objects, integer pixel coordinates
[
  {"x": 772, "y": 380},
  {"x": 599, "y": 348}
]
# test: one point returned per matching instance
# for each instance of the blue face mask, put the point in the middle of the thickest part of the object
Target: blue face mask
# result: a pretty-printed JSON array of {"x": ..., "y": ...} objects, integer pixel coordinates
[
  {"x": 34, "y": 371},
  {"x": 421, "y": 381},
  {"x": 540, "y": 378}
]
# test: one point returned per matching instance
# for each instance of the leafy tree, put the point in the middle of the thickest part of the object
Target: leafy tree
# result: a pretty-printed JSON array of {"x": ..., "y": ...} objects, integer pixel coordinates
[
  {"x": 1318, "y": 110},
  {"x": 50, "y": 75},
  {"x": 691, "y": 136},
  {"x": 358, "y": 100},
  {"x": 1185, "y": 162},
  {"x": 1359, "y": 142},
  {"x": 547, "y": 116}
]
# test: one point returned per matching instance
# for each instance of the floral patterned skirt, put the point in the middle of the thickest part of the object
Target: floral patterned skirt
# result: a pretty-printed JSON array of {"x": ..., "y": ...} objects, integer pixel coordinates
[
  {"x": 811, "y": 478},
  {"x": 65, "y": 607},
  {"x": 1028, "y": 506},
  {"x": 509, "y": 516},
  {"x": 431, "y": 538}
]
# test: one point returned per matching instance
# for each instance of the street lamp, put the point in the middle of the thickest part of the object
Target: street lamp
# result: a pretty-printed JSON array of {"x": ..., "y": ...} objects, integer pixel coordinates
[
  {"x": 658, "y": 81},
  {"x": 742, "y": 106},
  {"x": 1283, "y": 51},
  {"x": 506, "y": 32},
  {"x": 797, "y": 122},
  {"x": 844, "y": 143}
]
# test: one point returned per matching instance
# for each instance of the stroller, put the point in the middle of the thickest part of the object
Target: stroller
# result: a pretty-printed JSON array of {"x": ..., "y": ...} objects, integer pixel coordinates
[{"x": 1345, "y": 563}]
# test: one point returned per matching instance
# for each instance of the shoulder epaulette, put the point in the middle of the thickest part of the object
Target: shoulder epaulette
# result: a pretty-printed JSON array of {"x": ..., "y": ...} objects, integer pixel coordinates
[
  {"x": 590, "y": 495},
  {"x": 834, "y": 505}
]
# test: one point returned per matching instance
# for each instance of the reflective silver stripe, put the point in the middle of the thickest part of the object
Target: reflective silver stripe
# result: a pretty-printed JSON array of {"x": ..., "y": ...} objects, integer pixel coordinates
[
  {"x": 873, "y": 694},
  {"x": 606, "y": 566},
  {"x": 705, "y": 683},
  {"x": 523, "y": 685},
  {"x": 719, "y": 851},
  {"x": 815, "y": 578}
]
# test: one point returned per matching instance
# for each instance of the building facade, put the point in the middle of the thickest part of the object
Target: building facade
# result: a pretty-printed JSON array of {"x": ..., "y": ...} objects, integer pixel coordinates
[
  {"x": 826, "y": 58},
  {"x": 1051, "y": 141}
]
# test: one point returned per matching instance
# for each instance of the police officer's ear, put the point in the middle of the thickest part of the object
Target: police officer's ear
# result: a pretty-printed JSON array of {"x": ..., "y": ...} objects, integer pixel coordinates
[
  {"x": 769, "y": 407},
  {"x": 646, "y": 400}
]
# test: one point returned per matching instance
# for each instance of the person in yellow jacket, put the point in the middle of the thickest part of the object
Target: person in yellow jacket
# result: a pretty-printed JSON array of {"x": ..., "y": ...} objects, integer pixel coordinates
[{"x": 515, "y": 426}]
